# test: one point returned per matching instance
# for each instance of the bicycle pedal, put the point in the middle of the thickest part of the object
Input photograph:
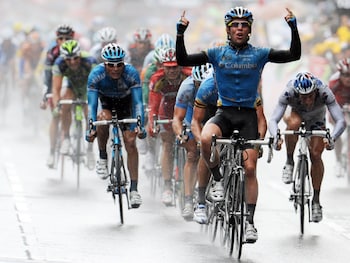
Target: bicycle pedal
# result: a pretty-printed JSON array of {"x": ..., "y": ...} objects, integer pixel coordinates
[
  {"x": 110, "y": 188},
  {"x": 116, "y": 191}
]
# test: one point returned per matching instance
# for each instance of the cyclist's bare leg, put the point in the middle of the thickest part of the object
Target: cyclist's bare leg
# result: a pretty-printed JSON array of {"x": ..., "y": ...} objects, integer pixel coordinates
[
  {"x": 262, "y": 124},
  {"x": 190, "y": 177},
  {"x": 250, "y": 175},
  {"x": 53, "y": 132},
  {"x": 293, "y": 122},
  {"x": 167, "y": 154},
  {"x": 129, "y": 138},
  {"x": 66, "y": 116},
  {"x": 251, "y": 182},
  {"x": 317, "y": 168},
  {"x": 103, "y": 133},
  {"x": 208, "y": 130},
  {"x": 203, "y": 176}
]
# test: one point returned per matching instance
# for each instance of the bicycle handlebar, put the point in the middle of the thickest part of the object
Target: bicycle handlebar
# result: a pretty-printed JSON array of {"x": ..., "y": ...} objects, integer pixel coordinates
[
  {"x": 302, "y": 132},
  {"x": 71, "y": 102},
  {"x": 156, "y": 122},
  {"x": 108, "y": 122},
  {"x": 241, "y": 142}
]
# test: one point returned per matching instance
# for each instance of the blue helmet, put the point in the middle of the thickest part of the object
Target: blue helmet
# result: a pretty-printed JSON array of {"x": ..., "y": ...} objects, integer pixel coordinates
[
  {"x": 113, "y": 53},
  {"x": 238, "y": 12},
  {"x": 305, "y": 83}
]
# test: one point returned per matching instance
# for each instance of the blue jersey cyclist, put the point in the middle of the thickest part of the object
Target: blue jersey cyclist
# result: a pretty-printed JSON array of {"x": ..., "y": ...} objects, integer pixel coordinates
[
  {"x": 238, "y": 67},
  {"x": 183, "y": 111},
  {"x": 116, "y": 85},
  {"x": 205, "y": 106}
]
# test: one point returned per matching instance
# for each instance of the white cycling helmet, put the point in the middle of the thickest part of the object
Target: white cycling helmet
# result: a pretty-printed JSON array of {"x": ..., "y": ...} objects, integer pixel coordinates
[
  {"x": 199, "y": 73},
  {"x": 107, "y": 35}
]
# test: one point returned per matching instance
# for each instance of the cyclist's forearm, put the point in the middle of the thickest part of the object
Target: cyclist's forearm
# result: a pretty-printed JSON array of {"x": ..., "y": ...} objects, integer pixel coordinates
[
  {"x": 137, "y": 109},
  {"x": 283, "y": 56},
  {"x": 92, "y": 105},
  {"x": 339, "y": 120},
  {"x": 183, "y": 59},
  {"x": 275, "y": 118}
]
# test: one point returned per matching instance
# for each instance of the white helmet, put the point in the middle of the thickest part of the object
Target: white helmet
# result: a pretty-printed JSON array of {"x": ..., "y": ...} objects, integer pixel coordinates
[{"x": 107, "y": 35}]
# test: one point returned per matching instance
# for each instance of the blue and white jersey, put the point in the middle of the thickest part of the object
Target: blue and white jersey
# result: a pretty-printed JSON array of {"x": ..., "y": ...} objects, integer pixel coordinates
[
  {"x": 185, "y": 98},
  {"x": 207, "y": 93},
  {"x": 101, "y": 85},
  {"x": 238, "y": 73}
]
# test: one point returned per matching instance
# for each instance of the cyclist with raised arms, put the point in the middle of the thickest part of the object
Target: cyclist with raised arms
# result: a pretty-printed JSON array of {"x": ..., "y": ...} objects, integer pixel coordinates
[
  {"x": 205, "y": 106},
  {"x": 308, "y": 99},
  {"x": 63, "y": 32},
  {"x": 339, "y": 83},
  {"x": 238, "y": 67},
  {"x": 183, "y": 114},
  {"x": 75, "y": 65},
  {"x": 117, "y": 86}
]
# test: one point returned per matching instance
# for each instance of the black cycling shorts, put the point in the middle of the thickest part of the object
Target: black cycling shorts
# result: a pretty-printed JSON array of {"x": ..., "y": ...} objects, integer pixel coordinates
[{"x": 234, "y": 118}]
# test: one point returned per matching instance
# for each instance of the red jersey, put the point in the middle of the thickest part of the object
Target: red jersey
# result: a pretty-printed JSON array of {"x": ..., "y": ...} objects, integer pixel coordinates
[
  {"x": 341, "y": 92},
  {"x": 162, "y": 95}
]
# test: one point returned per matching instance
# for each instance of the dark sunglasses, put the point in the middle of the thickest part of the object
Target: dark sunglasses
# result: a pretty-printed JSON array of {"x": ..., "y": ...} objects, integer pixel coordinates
[
  {"x": 112, "y": 65},
  {"x": 72, "y": 58},
  {"x": 345, "y": 75},
  {"x": 237, "y": 24},
  {"x": 64, "y": 38}
]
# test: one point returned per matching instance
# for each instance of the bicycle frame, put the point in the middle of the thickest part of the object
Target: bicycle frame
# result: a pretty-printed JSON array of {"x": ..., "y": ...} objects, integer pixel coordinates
[
  {"x": 233, "y": 210},
  {"x": 301, "y": 188},
  {"x": 119, "y": 179}
]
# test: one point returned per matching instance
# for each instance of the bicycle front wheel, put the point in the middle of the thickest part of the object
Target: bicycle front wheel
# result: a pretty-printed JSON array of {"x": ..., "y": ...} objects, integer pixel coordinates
[
  {"x": 239, "y": 212},
  {"x": 116, "y": 181},
  {"x": 303, "y": 170}
]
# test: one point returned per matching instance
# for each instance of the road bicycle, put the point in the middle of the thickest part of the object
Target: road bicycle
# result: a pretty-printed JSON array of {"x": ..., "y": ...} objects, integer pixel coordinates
[
  {"x": 118, "y": 176},
  {"x": 302, "y": 190},
  {"x": 345, "y": 155},
  {"x": 77, "y": 148},
  {"x": 179, "y": 159},
  {"x": 230, "y": 215}
]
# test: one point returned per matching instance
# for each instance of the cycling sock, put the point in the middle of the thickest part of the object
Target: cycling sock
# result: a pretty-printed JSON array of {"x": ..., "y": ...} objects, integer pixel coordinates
[
  {"x": 167, "y": 184},
  {"x": 290, "y": 159},
  {"x": 133, "y": 185},
  {"x": 201, "y": 195},
  {"x": 216, "y": 173},
  {"x": 189, "y": 199},
  {"x": 316, "y": 197},
  {"x": 251, "y": 209},
  {"x": 103, "y": 155}
]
